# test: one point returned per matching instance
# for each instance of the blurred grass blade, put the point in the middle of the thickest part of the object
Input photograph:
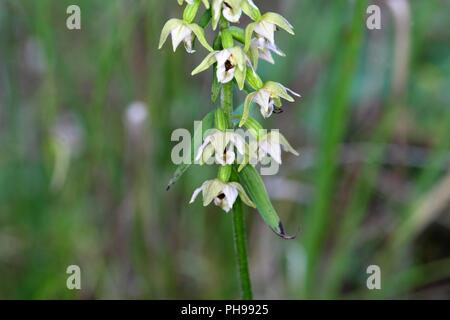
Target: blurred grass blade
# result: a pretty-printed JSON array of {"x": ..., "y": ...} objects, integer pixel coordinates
[
  {"x": 254, "y": 186},
  {"x": 207, "y": 123}
]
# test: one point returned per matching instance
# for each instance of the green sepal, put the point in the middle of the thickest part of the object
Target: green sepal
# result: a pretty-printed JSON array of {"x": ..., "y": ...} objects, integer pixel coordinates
[
  {"x": 251, "y": 10},
  {"x": 279, "y": 21}
]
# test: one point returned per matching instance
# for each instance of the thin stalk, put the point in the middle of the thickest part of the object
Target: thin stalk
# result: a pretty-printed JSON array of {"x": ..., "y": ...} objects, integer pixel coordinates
[
  {"x": 240, "y": 241},
  {"x": 227, "y": 101},
  {"x": 240, "y": 245}
]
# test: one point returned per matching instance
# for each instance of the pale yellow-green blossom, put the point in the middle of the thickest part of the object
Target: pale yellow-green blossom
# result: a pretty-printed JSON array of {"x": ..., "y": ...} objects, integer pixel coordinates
[
  {"x": 268, "y": 97},
  {"x": 232, "y": 64},
  {"x": 221, "y": 145},
  {"x": 223, "y": 194},
  {"x": 265, "y": 27},
  {"x": 182, "y": 31}
]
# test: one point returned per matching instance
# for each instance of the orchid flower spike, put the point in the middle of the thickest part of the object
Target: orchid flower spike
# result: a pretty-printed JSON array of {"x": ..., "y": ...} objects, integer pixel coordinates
[
  {"x": 181, "y": 31},
  {"x": 268, "y": 98},
  {"x": 223, "y": 194}
]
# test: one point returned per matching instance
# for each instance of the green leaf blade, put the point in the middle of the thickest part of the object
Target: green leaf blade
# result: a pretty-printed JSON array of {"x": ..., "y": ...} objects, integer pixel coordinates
[{"x": 255, "y": 188}]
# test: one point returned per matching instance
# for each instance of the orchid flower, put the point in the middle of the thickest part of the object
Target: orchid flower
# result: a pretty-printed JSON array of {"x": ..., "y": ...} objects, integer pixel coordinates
[
  {"x": 182, "y": 31},
  {"x": 231, "y": 64},
  {"x": 265, "y": 27},
  {"x": 271, "y": 144},
  {"x": 223, "y": 194},
  {"x": 221, "y": 145},
  {"x": 268, "y": 98},
  {"x": 232, "y": 10},
  {"x": 261, "y": 48}
]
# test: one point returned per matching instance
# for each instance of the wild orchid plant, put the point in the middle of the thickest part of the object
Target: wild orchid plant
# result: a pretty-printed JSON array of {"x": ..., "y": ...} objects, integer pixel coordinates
[{"x": 234, "y": 56}]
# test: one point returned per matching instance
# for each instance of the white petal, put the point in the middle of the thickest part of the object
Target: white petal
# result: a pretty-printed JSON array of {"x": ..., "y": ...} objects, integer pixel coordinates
[
  {"x": 231, "y": 194},
  {"x": 230, "y": 156},
  {"x": 220, "y": 159},
  {"x": 224, "y": 76},
  {"x": 273, "y": 48},
  {"x": 266, "y": 30},
  {"x": 272, "y": 148},
  {"x": 188, "y": 41},
  {"x": 265, "y": 49},
  {"x": 216, "y": 10},
  {"x": 262, "y": 98},
  {"x": 265, "y": 54},
  {"x": 292, "y": 92},
  {"x": 202, "y": 148},
  {"x": 232, "y": 15},
  {"x": 179, "y": 34},
  {"x": 219, "y": 141},
  {"x": 195, "y": 194},
  {"x": 218, "y": 202},
  {"x": 239, "y": 142},
  {"x": 222, "y": 57}
]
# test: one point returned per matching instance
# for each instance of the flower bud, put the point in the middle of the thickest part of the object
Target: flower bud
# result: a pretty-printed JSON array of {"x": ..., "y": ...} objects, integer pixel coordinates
[{"x": 224, "y": 173}]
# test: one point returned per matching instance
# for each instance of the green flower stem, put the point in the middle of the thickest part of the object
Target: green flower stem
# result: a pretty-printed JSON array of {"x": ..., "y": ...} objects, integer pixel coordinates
[
  {"x": 240, "y": 244},
  {"x": 238, "y": 212},
  {"x": 227, "y": 101},
  {"x": 240, "y": 241}
]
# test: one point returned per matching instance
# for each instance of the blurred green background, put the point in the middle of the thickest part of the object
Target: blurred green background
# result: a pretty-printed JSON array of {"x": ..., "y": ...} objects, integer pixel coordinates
[{"x": 85, "y": 155}]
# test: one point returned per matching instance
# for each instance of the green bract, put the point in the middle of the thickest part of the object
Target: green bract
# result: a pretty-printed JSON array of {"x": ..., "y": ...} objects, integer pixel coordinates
[{"x": 253, "y": 184}]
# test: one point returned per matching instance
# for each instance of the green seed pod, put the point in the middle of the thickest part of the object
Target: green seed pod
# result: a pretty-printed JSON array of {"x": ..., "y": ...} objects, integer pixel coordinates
[
  {"x": 224, "y": 173},
  {"x": 237, "y": 33},
  {"x": 227, "y": 39},
  {"x": 220, "y": 119},
  {"x": 254, "y": 127},
  {"x": 190, "y": 12},
  {"x": 253, "y": 79}
]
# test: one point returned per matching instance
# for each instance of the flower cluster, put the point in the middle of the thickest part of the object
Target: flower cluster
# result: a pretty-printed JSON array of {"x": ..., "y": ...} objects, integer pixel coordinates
[{"x": 234, "y": 55}]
